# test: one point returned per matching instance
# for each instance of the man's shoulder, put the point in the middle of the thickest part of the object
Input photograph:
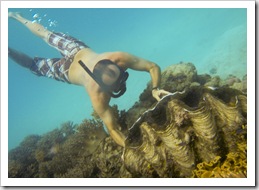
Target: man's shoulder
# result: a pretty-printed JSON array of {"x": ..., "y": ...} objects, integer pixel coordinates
[
  {"x": 115, "y": 55},
  {"x": 123, "y": 55}
]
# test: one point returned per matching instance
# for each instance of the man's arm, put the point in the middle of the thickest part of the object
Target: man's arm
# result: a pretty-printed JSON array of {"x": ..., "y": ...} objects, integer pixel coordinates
[
  {"x": 100, "y": 102},
  {"x": 139, "y": 64}
]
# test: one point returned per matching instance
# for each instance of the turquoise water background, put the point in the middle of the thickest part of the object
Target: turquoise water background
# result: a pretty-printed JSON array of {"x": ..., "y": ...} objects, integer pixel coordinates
[{"x": 209, "y": 38}]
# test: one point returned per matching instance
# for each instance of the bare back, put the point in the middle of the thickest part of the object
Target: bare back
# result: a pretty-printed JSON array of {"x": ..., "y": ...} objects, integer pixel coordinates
[{"x": 77, "y": 74}]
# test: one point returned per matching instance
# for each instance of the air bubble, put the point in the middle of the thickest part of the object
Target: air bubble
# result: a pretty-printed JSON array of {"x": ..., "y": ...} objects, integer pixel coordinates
[
  {"x": 36, "y": 16},
  {"x": 52, "y": 23},
  {"x": 44, "y": 20}
]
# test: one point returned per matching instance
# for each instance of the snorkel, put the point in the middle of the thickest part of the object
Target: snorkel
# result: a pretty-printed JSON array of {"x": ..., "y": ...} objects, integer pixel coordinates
[{"x": 117, "y": 89}]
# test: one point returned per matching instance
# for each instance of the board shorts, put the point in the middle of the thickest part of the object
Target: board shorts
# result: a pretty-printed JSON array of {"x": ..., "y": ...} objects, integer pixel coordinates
[{"x": 57, "y": 68}]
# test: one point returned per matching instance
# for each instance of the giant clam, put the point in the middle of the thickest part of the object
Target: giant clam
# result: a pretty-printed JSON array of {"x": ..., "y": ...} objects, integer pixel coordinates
[{"x": 185, "y": 129}]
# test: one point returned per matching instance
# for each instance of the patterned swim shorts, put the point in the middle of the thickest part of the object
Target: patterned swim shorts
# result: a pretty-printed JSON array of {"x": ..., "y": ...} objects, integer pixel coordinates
[{"x": 57, "y": 68}]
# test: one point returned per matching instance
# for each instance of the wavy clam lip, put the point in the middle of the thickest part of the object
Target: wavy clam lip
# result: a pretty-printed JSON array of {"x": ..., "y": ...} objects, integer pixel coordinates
[{"x": 175, "y": 135}]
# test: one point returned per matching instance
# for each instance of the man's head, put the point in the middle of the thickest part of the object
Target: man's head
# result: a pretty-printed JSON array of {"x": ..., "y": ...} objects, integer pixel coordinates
[
  {"x": 107, "y": 71},
  {"x": 111, "y": 77}
]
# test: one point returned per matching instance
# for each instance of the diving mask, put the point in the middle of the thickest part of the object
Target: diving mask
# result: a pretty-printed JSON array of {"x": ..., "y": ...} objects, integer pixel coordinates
[{"x": 118, "y": 88}]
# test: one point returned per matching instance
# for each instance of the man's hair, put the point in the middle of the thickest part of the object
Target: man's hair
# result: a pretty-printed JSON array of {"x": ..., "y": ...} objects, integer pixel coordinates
[{"x": 101, "y": 66}]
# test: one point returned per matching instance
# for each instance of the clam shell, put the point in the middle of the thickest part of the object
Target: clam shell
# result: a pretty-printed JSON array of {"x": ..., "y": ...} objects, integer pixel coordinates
[{"x": 179, "y": 132}]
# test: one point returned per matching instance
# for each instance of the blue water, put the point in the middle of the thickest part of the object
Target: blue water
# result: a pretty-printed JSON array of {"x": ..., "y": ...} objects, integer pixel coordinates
[{"x": 206, "y": 37}]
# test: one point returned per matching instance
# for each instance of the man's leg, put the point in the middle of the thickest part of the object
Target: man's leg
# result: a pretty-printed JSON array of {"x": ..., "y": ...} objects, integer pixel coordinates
[
  {"x": 34, "y": 27},
  {"x": 20, "y": 58}
]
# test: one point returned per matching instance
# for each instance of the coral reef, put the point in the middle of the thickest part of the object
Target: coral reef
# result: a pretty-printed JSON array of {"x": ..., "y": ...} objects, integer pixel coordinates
[
  {"x": 56, "y": 152},
  {"x": 197, "y": 131},
  {"x": 22, "y": 160}
]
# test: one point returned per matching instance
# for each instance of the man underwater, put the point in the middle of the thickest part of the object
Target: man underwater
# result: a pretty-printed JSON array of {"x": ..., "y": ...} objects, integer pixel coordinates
[{"x": 103, "y": 75}]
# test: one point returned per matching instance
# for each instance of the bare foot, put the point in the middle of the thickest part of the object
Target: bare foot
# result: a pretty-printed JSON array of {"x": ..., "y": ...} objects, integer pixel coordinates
[{"x": 14, "y": 15}]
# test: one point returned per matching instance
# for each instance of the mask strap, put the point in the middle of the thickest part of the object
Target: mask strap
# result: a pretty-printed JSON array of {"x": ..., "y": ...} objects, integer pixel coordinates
[
  {"x": 100, "y": 83},
  {"x": 92, "y": 75}
]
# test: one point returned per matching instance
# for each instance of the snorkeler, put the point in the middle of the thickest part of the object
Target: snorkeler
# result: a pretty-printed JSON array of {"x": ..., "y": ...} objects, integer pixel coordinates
[{"x": 103, "y": 75}]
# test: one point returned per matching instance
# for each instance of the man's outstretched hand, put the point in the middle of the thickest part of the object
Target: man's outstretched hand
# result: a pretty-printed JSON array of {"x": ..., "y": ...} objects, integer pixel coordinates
[{"x": 159, "y": 93}]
